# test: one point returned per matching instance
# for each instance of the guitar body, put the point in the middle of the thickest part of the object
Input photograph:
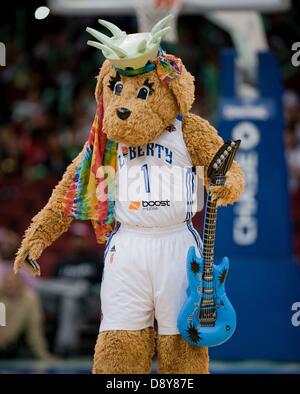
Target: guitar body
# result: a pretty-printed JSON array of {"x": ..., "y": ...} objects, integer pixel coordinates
[
  {"x": 207, "y": 317},
  {"x": 189, "y": 322}
]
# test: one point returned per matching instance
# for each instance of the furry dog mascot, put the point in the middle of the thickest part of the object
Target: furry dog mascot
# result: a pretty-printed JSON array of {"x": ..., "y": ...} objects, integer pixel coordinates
[{"x": 142, "y": 130}]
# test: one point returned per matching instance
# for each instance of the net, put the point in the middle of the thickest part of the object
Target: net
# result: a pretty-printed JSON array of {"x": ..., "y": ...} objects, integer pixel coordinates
[{"x": 149, "y": 12}]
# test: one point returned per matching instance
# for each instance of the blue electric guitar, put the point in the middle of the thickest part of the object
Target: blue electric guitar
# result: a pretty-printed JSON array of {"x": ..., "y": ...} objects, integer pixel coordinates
[{"x": 207, "y": 318}]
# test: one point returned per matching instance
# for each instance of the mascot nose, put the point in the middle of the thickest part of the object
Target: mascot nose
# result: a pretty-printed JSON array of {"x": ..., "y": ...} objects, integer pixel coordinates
[{"x": 123, "y": 113}]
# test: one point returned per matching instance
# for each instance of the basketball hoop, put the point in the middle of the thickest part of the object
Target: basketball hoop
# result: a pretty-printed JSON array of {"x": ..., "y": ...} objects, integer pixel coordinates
[{"x": 149, "y": 12}]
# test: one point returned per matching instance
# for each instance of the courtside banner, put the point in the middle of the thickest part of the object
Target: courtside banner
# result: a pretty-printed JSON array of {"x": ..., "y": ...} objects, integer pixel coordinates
[{"x": 259, "y": 223}]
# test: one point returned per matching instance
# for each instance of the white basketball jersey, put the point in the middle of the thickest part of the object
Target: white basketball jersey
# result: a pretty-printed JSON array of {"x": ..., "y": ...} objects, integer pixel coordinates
[{"x": 156, "y": 185}]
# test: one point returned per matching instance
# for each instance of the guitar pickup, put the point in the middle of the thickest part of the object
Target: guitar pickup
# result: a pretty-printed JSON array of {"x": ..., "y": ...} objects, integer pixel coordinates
[
  {"x": 208, "y": 277},
  {"x": 205, "y": 303},
  {"x": 208, "y": 291}
]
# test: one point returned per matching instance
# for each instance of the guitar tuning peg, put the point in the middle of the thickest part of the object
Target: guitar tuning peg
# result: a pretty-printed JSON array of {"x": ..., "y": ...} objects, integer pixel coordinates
[
  {"x": 229, "y": 148},
  {"x": 215, "y": 166},
  {"x": 225, "y": 153},
  {"x": 222, "y": 157},
  {"x": 232, "y": 144},
  {"x": 218, "y": 161}
]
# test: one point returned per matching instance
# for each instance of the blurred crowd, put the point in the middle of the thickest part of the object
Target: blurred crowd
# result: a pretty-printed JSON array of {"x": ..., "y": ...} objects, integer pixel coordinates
[
  {"x": 47, "y": 108},
  {"x": 292, "y": 142}
]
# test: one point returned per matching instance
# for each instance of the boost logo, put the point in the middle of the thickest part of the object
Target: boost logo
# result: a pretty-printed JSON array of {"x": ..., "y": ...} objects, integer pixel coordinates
[{"x": 152, "y": 204}]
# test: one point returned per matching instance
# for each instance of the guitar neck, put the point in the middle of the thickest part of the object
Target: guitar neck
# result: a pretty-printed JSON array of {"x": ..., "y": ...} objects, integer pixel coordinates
[{"x": 209, "y": 233}]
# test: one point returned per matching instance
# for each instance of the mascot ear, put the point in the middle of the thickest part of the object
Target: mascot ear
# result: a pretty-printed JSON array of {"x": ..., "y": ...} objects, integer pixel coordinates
[
  {"x": 183, "y": 89},
  {"x": 104, "y": 70}
]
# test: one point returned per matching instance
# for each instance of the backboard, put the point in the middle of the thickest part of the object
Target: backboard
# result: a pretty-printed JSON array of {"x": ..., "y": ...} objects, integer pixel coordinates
[{"x": 125, "y": 7}]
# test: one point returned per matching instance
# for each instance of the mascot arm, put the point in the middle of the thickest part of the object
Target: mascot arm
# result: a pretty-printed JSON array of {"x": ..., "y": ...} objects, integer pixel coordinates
[
  {"x": 46, "y": 226},
  {"x": 203, "y": 141}
]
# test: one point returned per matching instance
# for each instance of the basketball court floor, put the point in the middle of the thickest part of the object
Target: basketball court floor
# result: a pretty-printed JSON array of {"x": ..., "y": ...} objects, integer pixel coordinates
[{"x": 83, "y": 366}]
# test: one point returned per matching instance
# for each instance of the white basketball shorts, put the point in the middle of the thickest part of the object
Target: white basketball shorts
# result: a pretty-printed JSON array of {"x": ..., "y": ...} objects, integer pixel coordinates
[{"x": 145, "y": 277}]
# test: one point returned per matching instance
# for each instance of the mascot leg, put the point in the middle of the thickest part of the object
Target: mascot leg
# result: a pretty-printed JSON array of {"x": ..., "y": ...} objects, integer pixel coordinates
[
  {"x": 176, "y": 356},
  {"x": 124, "y": 352}
]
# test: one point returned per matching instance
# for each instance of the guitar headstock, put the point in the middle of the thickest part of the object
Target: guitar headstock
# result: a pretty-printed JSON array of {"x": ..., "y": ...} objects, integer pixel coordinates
[{"x": 221, "y": 162}]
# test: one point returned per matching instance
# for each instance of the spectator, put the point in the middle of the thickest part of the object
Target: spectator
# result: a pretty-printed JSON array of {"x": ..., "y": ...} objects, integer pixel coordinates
[
  {"x": 293, "y": 159},
  {"x": 24, "y": 314}
]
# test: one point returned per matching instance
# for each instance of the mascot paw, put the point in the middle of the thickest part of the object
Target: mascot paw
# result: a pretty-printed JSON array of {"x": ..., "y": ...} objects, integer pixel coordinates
[
  {"x": 226, "y": 194},
  {"x": 31, "y": 265},
  {"x": 27, "y": 260}
]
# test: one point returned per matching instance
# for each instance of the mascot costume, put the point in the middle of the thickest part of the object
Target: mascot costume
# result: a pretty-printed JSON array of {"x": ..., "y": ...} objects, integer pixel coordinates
[{"x": 142, "y": 132}]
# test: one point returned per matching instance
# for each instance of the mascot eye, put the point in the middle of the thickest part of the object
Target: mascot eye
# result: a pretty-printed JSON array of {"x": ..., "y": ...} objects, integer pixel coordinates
[
  {"x": 118, "y": 88},
  {"x": 145, "y": 91},
  {"x": 115, "y": 84}
]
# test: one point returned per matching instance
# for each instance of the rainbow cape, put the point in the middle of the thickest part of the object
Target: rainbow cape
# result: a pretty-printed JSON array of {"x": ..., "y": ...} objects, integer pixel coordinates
[{"x": 91, "y": 194}]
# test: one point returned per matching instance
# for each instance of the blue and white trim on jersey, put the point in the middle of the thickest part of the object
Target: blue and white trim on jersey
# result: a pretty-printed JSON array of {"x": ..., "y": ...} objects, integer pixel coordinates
[
  {"x": 196, "y": 237},
  {"x": 190, "y": 189},
  {"x": 111, "y": 235}
]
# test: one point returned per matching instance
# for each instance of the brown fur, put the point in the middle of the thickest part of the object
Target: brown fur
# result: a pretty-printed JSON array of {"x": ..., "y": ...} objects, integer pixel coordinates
[
  {"x": 183, "y": 89},
  {"x": 131, "y": 351},
  {"x": 176, "y": 356},
  {"x": 47, "y": 225},
  {"x": 124, "y": 352},
  {"x": 203, "y": 141}
]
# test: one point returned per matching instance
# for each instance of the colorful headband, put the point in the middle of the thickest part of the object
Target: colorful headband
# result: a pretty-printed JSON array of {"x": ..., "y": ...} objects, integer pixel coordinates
[
  {"x": 168, "y": 67},
  {"x": 131, "y": 72}
]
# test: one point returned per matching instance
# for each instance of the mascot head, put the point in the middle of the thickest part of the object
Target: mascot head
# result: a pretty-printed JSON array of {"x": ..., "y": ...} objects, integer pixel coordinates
[{"x": 143, "y": 89}]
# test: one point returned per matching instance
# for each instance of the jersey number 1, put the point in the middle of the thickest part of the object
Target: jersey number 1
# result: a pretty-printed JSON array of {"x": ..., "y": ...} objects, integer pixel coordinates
[{"x": 146, "y": 177}]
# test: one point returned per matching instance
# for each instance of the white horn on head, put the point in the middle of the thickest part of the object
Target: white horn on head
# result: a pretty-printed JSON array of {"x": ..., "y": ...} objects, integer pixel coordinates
[
  {"x": 161, "y": 24},
  {"x": 107, "y": 41},
  {"x": 120, "y": 52},
  {"x": 100, "y": 36},
  {"x": 158, "y": 35},
  {"x": 117, "y": 33},
  {"x": 106, "y": 51}
]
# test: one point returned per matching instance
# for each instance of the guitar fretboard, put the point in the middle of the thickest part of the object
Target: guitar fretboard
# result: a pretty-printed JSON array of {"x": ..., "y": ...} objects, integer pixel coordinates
[{"x": 209, "y": 237}]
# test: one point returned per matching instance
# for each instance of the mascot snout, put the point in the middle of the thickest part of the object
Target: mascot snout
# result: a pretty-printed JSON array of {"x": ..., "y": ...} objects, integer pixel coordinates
[{"x": 123, "y": 113}]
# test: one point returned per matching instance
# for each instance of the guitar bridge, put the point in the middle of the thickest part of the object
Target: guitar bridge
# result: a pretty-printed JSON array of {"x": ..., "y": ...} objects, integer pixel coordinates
[{"x": 208, "y": 319}]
